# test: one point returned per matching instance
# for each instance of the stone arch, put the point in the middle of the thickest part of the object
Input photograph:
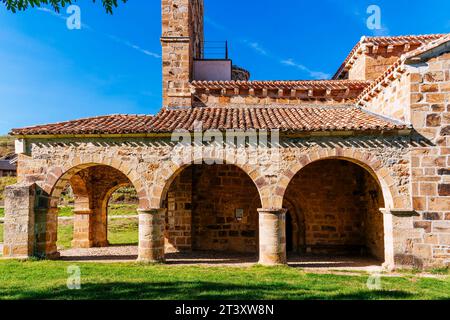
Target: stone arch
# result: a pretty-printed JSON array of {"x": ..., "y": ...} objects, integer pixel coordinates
[
  {"x": 110, "y": 192},
  {"x": 89, "y": 221},
  {"x": 362, "y": 227},
  {"x": 59, "y": 176},
  {"x": 166, "y": 176},
  {"x": 392, "y": 197}
]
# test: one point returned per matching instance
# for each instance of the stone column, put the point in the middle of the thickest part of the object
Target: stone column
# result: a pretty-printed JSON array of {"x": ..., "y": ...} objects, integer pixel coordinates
[
  {"x": 82, "y": 229},
  {"x": 100, "y": 227},
  {"x": 272, "y": 236},
  {"x": 46, "y": 225},
  {"x": 151, "y": 235},
  {"x": 19, "y": 225}
]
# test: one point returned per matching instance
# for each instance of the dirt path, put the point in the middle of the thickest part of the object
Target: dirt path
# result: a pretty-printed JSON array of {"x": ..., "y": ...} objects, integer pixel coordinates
[{"x": 129, "y": 254}]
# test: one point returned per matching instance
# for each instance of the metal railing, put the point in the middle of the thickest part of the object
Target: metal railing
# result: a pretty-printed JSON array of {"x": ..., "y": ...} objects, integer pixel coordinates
[{"x": 214, "y": 50}]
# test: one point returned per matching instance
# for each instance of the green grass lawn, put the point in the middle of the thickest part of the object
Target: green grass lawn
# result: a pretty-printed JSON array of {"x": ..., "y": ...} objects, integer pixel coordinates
[
  {"x": 1, "y": 233},
  {"x": 47, "y": 280},
  {"x": 4, "y": 182},
  {"x": 120, "y": 232},
  {"x": 114, "y": 210},
  {"x": 2, "y": 212}
]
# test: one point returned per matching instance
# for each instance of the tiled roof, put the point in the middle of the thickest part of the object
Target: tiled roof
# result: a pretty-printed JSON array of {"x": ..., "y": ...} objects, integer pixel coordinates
[
  {"x": 299, "y": 85},
  {"x": 417, "y": 40},
  {"x": 398, "y": 68},
  {"x": 290, "y": 119},
  {"x": 284, "y": 118},
  {"x": 112, "y": 124}
]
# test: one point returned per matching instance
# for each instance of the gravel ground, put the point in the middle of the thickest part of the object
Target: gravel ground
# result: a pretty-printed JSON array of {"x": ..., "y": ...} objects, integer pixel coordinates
[{"x": 129, "y": 254}]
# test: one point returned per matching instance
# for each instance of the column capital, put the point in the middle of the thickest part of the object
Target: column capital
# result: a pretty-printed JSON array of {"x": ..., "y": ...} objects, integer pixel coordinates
[
  {"x": 272, "y": 211},
  {"x": 152, "y": 211},
  {"x": 399, "y": 212}
]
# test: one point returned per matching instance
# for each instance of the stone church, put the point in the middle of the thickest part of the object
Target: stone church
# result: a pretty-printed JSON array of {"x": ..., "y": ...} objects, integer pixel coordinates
[{"x": 355, "y": 165}]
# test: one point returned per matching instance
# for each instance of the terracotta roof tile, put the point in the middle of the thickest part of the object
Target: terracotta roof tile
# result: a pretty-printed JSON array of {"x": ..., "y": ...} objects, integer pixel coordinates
[
  {"x": 290, "y": 119},
  {"x": 112, "y": 124},
  {"x": 282, "y": 84},
  {"x": 398, "y": 68},
  {"x": 285, "y": 118},
  {"x": 386, "y": 41}
]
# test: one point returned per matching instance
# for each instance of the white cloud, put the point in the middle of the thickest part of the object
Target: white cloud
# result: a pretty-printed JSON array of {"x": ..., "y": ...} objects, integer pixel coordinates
[
  {"x": 133, "y": 46},
  {"x": 256, "y": 47},
  {"x": 112, "y": 37},
  {"x": 318, "y": 75}
]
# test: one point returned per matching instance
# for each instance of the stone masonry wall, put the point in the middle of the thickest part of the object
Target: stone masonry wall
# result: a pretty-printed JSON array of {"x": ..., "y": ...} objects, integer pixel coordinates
[
  {"x": 202, "y": 202},
  {"x": 375, "y": 60},
  {"x": 218, "y": 191},
  {"x": 358, "y": 69},
  {"x": 429, "y": 241},
  {"x": 178, "y": 233},
  {"x": 393, "y": 100}
]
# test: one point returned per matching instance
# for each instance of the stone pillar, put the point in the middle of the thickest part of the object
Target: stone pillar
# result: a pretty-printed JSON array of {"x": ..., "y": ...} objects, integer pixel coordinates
[
  {"x": 151, "y": 235},
  {"x": 19, "y": 221},
  {"x": 82, "y": 229},
  {"x": 46, "y": 226},
  {"x": 399, "y": 238},
  {"x": 272, "y": 236},
  {"x": 100, "y": 226}
]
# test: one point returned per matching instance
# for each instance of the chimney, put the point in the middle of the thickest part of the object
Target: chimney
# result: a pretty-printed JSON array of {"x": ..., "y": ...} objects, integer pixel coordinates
[{"x": 181, "y": 40}]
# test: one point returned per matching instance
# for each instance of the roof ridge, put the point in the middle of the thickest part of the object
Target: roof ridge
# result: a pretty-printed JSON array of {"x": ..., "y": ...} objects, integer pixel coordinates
[
  {"x": 409, "y": 36},
  {"x": 393, "y": 120},
  {"x": 398, "y": 66},
  {"x": 369, "y": 39}
]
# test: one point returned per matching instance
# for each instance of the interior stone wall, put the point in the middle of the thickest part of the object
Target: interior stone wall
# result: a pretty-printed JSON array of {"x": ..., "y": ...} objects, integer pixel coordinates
[
  {"x": 340, "y": 205},
  {"x": 202, "y": 203}
]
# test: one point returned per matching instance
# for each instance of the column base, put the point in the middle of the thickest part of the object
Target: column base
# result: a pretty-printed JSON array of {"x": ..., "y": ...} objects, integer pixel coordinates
[
  {"x": 149, "y": 261},
  {"x": 101, "y": 244},
  {"x": 53, "y": 256},
  {"x": 82, "y": 244}
]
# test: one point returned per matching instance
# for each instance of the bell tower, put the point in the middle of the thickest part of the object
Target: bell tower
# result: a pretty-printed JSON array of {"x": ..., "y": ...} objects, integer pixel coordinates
[{"x": 182, "y": 41}]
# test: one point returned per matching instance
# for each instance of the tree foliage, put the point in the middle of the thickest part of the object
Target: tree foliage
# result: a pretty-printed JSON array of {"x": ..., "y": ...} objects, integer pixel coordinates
[{"x": 21, "y": 5}]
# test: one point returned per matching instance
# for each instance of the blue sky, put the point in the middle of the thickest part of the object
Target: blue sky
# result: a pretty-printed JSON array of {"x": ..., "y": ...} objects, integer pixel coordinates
[{"x": 49, "y": 73}]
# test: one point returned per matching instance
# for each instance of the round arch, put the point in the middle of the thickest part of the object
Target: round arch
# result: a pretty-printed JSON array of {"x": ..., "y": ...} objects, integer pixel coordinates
[
  {"x": 58, "y": 177},
  {"x": 367, "y": 161},
  {"x": 166, "y": 176}
]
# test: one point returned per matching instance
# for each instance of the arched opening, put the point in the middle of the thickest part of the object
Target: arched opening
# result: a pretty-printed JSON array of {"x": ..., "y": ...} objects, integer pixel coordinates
[
  {"x": 338, "y": 202},
  {"x": 212, "y": 212},
  {"x": 121, "y": 205},
  {"x": 89, "y": 212}
]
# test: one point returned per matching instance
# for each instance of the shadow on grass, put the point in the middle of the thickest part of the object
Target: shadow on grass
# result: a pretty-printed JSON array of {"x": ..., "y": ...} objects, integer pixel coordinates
[{"x": 195, "y": 291}]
